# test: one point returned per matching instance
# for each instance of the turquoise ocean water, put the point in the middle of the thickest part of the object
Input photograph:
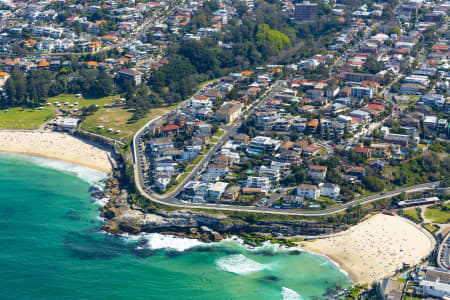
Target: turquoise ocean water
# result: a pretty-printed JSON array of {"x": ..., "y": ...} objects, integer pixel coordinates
[{"x": 51, "y": 248}]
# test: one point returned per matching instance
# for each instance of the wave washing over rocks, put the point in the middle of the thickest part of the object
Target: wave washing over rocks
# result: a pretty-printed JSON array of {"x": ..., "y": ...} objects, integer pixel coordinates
[
  {"x": 86, "y": 174},
  {"x": 156, "y": 241}
]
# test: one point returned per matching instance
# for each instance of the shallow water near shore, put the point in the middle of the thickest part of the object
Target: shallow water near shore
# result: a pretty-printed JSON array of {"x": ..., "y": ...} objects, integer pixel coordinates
[{"x": 51, "y": 248}]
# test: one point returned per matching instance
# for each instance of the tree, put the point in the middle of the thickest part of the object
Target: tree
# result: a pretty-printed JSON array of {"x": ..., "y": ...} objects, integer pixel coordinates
[
  {"x": 78, "y": 28},
  {"x": 394, "y": 30},
  {"x": 374, "y": 184},
  {"x": 372, "y": 66},
  {"x": 334, "y": 176}
]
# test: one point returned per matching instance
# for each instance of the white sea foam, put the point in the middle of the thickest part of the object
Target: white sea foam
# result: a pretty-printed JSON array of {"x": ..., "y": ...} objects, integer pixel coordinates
[
  {"x": 102, "y": 201},
  {"x": 239, "y": 264},
  {"x": 289, "y": 294},
  {"x": 160, "y": 241},
  {"x": 101, "y": 219},
  {"x": 267, "y": 245},
  {"x": 157, "y": 241},
  {"x": 84, "y": 173}
]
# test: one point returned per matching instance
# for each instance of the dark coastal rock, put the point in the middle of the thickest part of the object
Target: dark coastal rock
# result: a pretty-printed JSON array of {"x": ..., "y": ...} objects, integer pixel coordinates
[
  {"x": 95, "y": 188},
  {"x": 97, "y": 195},
  {"x": 271, "y": 278},
  {"x": 125, "y": 216}
]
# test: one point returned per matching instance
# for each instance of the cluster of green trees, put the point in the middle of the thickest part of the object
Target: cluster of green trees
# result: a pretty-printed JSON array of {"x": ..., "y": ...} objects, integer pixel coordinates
[
  {"x": 36, "y": 86},
  {"x": 372, "y": 66},
  {"x": 426, "y": 168},
  {"x": 32, "y": 88},
  {"x": 202, "y": 18},
  {"x": 262, "y": 36}
]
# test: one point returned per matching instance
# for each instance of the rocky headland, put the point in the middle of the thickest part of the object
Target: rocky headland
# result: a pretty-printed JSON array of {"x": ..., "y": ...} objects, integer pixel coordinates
[{"x": 125, "y": 216}]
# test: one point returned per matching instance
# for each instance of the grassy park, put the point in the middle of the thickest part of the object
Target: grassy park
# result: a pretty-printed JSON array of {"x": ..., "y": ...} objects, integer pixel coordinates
[
  {"x": 24, "y": 118},
  {"x": 82, "y": 102},
  {"x": 118, "y": 118},
  {"x": 432, "y": 228},
  {"x": 412, "y": 213},
  {"x": 437, "y": 215}
]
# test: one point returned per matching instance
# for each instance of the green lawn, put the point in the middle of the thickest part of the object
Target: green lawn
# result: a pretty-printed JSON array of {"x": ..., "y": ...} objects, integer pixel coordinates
[
  {"x": 19, "y": 118},
  {"x": 189, "y": 168},
  {"x": 204, "y": 150},
  {"x": 82, "y": 102},
  {"x": 219, "y": 133},
  {"x": 197, "y": 160},
  {"x": 118, "y": 118},
  {"x": 432, "y": 228},
  {"x": 413, "y": 214},
  {"x": 437, "y": 216},
  {"x": 179, "y": 180}
]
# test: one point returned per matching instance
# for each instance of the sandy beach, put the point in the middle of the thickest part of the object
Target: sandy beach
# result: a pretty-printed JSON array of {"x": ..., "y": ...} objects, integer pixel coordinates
[
  {"x": 56, "y": 146},
  {"x": 375, "y": 248}
]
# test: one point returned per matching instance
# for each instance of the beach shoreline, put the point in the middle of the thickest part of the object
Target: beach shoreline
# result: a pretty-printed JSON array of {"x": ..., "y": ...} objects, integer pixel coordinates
[
  {"x": 375, "y": 248},
  {"x": 57, "y": 146}
]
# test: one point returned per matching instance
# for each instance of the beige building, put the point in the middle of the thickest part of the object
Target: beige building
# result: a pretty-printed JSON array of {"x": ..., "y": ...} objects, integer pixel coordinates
[{"x": 228, "y": 113}]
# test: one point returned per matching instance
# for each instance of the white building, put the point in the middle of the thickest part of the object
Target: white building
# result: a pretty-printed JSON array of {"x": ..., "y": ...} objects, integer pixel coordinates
[
  {"x": 436, "y": 282},
  {"x": 260, "y": 144},
  {"x": 272, "y": 172},
  {"x": 161, "y": 181},
  {"x": 219, "y": 170},
  {"x": 216, "y": 190},
  {"x": 308, "y": 191},
  {"x": 262, "y": 183},
  {"x": 329, "y": 190},
  {"x": 361, "y": 92}
]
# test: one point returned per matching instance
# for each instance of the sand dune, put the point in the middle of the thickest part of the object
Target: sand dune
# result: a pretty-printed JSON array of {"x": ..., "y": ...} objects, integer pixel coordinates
[
  {"x": 375, "y": 248},
  {"x": 56, "y": 146}
]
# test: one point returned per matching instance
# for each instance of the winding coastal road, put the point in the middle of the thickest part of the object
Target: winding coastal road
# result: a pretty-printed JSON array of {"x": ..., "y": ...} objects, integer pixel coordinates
[{"x": 171, "y": 200}]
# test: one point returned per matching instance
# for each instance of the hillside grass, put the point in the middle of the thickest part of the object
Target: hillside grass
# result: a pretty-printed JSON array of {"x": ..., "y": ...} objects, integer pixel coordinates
[{"x": 118, "y": 118}]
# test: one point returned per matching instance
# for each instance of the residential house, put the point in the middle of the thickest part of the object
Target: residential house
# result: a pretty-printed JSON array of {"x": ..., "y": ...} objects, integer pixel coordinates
[
  {"x": 242, "y": 139},
  {"x": 162, "y": 180},
  {"x": 308, "y": 191},
  {"x": 228, "y": 113},
  {"x": 380, "y": 150},
  {"x": 220, "y": 170},
  {"x": 317, "y": 173},
  {"x": 329, "y": 190},
  {"x": 436, "y": 282},
  {"x": 231, "y": 193},
  {"x": 262, "y": 144},
  {"x": 216, "y": 190},
  {"x": 311, "y": 150},
  {"x": 262, "y": 183},
  {"x": 157, "y": 144},
  {"x": 292, "y": 201},
  {"x": 272, "y": 172},
  {"x": 361, "y": 92},
  {"x": 312, "y": 125},
  {"x": 389, "y": 289},
  {"x": 358, "y": 172},
  {"x": 128, "y": 74}
]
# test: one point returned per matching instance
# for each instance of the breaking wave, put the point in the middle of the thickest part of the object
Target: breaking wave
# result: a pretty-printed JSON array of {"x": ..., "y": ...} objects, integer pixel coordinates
[
  {"x": 239, "y": 264},
  {"x": 289, "y": 294},
  {"x": 156, "y": 241}
]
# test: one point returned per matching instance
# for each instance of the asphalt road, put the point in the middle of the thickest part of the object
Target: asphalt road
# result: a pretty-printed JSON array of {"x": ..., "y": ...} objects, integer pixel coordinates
[{"x": 171, "y": 200}]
